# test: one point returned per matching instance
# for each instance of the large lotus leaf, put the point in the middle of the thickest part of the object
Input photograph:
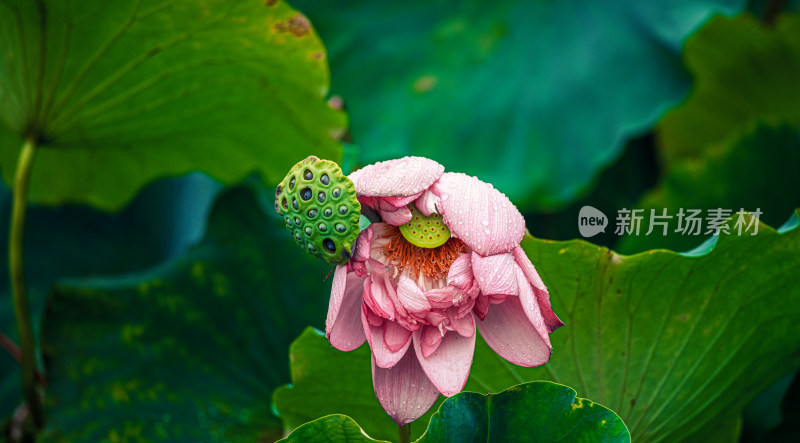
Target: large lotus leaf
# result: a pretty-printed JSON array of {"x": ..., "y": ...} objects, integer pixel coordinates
[
  {"x": 675, "y": 344},
  {"x": 532, "y": 96},
  {"x": 756, "y": 171},
  {"x": 190, "y": 351},
  {"x": 118, "y": 93},
  {"x": 743, "y": 72},
  {"x": 75, "y": 241},
  {"x": 530, "y": 412},
  {"x": 330, "y": 429}
]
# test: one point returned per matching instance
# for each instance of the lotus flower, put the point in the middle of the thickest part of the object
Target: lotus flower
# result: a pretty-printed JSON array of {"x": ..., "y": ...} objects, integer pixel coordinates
[{"x": 443, "y": 259}]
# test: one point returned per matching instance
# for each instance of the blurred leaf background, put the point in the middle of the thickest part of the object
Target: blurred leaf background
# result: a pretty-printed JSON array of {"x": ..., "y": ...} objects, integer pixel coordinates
[{"x": 161, "y": 319}]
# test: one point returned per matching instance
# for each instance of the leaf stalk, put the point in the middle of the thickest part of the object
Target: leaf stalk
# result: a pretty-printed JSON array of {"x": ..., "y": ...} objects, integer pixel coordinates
[{"x": 16, "y": 269}]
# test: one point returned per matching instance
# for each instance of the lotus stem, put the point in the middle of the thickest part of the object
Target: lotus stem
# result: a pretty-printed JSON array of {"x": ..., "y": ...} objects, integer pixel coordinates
[
  {"x": 404, "y": 433},
  {"x": 16, "y": 269}
]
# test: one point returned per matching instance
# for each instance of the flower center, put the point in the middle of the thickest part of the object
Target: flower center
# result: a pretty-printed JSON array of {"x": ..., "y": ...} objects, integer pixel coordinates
[
  {"x": 425, "y": 232},
  {"x": 432, "y": 262}
]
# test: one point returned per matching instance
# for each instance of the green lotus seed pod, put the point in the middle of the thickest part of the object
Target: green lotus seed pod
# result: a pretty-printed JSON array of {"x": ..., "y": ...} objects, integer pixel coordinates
[
  {"x": 321, "y": 209},
  {"x": 425, "y": 232}
]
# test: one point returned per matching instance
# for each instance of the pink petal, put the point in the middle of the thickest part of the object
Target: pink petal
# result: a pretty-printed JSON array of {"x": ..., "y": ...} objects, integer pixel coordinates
[
  {"x": 481, "y": 216},
  {"x": 508, "y": 331},
  {"x": 427, "y": 203},
  {"x": 361, "y": 249},
  {"x": 460, "y": 273},
  {"x": 383, "y": 355},
  {"x": 531, "y": 307},
  {"x": 430, "y": 339},
  {"x": 396, "y": 178},
  {"x": 404, "y": 391},
  {"x": 434, "y": 318},
  {"x": 395, "y": 336},
  {"x": 448, "y": 366},
  {"x": 377, "y": 295},
  {"x": 539, "y": 289},
  {"x": 394, "y": 216},
  {"x": 399, "y": 202},
  {"x": 411, "y": 296},
  {"x": 481, "y": 306},
  {"x": 337, "y": 296},
  {"x": 440, "y": 298},
  {"x": 464, "y": 325},
  {"x": 372, "y": 318},
  {"x": 343, "y": 325},
  {"x": 496, "y": 274},
  {"x": 496, "y": 299}
]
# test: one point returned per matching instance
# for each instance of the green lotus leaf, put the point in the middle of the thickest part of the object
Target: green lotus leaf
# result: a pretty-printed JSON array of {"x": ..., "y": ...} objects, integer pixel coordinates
[
  {"x": 188, "y": 351},
  {"x": 118, "y": 93},
  {"x": 534, "y": 97},
  {"x": 530, "y": 412},
  {"x": 744, "y": 72}
]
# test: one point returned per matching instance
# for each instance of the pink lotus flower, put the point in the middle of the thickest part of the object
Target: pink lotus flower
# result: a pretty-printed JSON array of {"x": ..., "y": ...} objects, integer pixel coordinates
[{"x": 445, "y": 259}]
